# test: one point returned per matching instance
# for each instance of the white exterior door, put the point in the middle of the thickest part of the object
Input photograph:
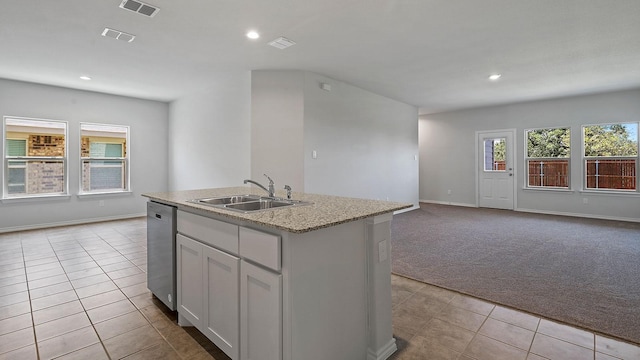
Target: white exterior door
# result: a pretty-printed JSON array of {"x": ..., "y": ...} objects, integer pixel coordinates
[{"x": 496, "y": 162}]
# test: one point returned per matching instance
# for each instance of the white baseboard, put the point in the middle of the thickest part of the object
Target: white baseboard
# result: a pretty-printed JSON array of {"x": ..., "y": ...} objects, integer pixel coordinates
[
  {"x": 67, "y": 223},
  {"x": 548, "y": 212},
  {"x": 580, "y": 215},
  {"x": 414, "y": 207},
  {"x": 383, "y": 353},
  {"x": 449, "y": 203}
]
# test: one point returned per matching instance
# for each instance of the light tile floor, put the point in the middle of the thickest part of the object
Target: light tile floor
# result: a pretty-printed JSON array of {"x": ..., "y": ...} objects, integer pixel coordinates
[
  {"x": 79, "y": 292},
  {"x": 433, "y": 323}
]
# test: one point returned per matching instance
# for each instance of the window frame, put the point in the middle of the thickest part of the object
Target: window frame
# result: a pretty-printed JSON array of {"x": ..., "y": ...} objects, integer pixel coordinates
[
  {"x": 527, "y": 186},
  {"x": 126, "y": 176},
  {"x": 6, "y": 159},
  {"x": 585, "y": 158}
]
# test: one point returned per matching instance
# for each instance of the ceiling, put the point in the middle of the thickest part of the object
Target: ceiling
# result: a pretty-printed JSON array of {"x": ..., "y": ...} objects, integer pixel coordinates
[{"x": 434, "y": 54}]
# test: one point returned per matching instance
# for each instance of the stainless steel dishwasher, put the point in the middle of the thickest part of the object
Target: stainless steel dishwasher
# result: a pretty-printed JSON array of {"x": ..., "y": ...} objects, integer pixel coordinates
[{"x": 161, "y": 252}]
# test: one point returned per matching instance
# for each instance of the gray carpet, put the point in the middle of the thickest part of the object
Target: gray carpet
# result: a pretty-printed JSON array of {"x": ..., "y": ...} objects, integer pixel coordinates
[{"x": 583, "y": 272}]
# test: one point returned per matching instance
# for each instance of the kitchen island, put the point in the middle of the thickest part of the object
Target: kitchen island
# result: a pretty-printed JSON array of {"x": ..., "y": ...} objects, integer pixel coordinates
[{"x": 299, "y": 282}]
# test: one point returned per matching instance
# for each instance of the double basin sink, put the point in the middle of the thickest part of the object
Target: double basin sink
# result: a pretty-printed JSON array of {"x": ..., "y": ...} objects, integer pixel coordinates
[{"x": 248, "y": 203}]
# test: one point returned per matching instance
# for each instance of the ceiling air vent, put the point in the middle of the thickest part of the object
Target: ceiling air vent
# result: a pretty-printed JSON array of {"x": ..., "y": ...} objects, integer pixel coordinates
[
  {"x": 282, "y": 43},
  {"x": 139, "y": 7},
  {"x": 119, "y": 35}
]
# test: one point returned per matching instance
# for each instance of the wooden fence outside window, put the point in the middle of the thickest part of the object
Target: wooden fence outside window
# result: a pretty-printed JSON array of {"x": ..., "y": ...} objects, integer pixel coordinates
[
  {"x": 619, "y": 174},
  {"x": 611, "y": 174},
  {"x": 549, "y": 173}
]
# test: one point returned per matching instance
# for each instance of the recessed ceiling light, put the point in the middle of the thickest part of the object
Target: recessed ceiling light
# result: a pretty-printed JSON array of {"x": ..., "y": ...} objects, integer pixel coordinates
[
  {"x": 495, "y": 77},
  {"x": 85, "y": 77},
  {"x": 253, "y": 35}
]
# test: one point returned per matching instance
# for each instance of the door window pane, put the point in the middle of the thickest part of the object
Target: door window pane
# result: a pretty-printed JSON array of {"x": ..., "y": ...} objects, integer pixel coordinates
[{"x": 495, "y": 154}]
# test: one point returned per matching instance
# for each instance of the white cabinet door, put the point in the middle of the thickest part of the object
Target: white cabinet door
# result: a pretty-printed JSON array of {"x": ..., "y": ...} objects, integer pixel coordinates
[
  {"x": 189, "y": 279},
  {"x": 260, "y": 313},
  {"x": 221, "y": 295}
]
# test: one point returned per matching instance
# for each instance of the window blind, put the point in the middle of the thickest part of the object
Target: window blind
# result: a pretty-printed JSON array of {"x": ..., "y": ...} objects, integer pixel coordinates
[{"x": 16, "y": 147}]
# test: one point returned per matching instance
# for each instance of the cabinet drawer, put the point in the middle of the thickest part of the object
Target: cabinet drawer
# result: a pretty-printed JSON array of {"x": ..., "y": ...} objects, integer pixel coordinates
[
  {"x": 260, "y": 247},
  {"x": 216, "y": 233}
]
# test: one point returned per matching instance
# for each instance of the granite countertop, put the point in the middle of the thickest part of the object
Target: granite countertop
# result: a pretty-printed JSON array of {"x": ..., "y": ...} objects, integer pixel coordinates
[{"x": 325, "y": 211}]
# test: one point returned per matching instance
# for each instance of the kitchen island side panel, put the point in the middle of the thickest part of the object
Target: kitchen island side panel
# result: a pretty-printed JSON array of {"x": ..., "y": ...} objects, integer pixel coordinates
[{"x": 325, "y": 293}]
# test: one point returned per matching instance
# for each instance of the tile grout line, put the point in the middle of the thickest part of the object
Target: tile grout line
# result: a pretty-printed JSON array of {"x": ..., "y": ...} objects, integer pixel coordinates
[
  {"x": 83, "y": 308},
  {"x": 35, "y": 338},
  {"x": 501, "y": 341},
  {"x": 81, "y": 304},
  {"x": 58, "y": 261},
  {"x": 475, "y": 334},
  {"x": 100, "y": 340},
  {"x": 534, "y": 338}
]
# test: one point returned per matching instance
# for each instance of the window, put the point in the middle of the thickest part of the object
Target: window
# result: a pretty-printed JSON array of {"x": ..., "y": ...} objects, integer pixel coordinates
[
  {"x": 104, "y": 157},
  {"x": 548, "y": 153},
  {"x": 611, "y": 156},
  {"x": 17, "y": 177},
  {"x": 35, "y": 156},
  {"x": 495, "y": 154}
]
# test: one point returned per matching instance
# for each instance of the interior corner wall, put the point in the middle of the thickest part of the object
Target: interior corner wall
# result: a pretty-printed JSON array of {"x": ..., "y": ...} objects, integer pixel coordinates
[
  {"x": 209, "y": 144},
  {"x": 148, "y": 121},
  {"x": 277, "y": 121},
  {"x": 447, "y": 152},
  {"x": 366, "y": 144}
]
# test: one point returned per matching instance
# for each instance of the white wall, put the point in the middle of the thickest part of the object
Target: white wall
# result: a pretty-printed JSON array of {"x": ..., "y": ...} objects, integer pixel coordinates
[
  {"x": 277, "y": 113},
  {"x": 447, "y": 152},
  {"x": 209, "y": 144},
  {"x": 148, "y": 139},
  {"x": 366, "y": 144}
]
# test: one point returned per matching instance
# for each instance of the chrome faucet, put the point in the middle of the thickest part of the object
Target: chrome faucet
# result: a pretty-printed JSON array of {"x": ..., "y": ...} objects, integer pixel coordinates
[
  {"x": 288, "y": 188},
  {"x": 271, "y": 190}
]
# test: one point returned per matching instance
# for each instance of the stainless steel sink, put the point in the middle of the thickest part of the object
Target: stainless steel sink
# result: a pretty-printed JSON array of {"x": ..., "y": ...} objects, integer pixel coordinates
[
  {"x": 227, "y": 200},
  {"x": 261, "y": 204},
  {"x": 248, "y": 203}
]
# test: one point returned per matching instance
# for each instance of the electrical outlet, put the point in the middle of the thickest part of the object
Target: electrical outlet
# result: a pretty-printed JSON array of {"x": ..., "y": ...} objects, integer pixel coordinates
[
  {"x": 448, "y": 192},
  {"x": 101, "y": 203},
  {"x": 585, "y": 200}
]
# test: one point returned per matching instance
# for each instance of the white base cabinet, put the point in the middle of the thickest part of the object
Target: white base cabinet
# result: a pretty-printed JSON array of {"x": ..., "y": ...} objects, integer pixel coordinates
[
  {"x": 189, "y": 279},
  {"x": 221, "y": 271},
  {"x": 208, "y": 292},
  {"x": 274, "y": 295},
  {"x": 260, "y": 313}
]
